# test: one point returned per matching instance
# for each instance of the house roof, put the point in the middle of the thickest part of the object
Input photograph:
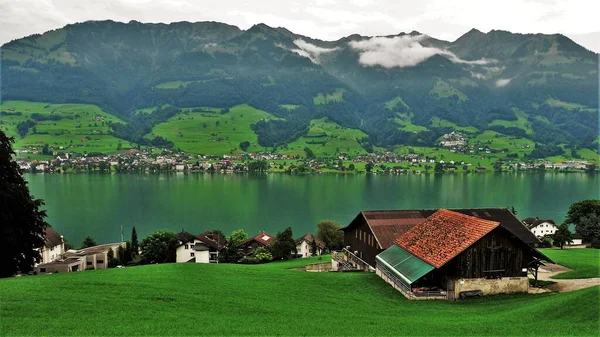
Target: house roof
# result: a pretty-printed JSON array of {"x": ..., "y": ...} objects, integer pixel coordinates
[
  {"x": 262, "y": 238},
  {"x": 52, "y": 238},
  {"x": 534, "y": 222},
  {"x": 98, "y": 249},
  {"x": 407, "y": 267},
  {"x": 185, "y": 237},
  {"x": 213, "y": 240},
  {"x": 310, "y": 238},
  {"x": 443, "y": 235},
  {"x": 388, "y": 225}
]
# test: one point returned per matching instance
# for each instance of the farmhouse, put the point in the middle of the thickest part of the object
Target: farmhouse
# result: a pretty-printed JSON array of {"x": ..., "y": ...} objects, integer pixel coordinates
[
  {"x": 452, "y": 255},
  {"x": 304, "y": 245},
  {"x": 191, "y": 249},
  {"x": 54, "y": 246},
  {"x": 262, "y": 239},
  {"x": 371, "y": 232},
  {"x": 539, "y": 227},
  {"x": 215, "y": 243}
]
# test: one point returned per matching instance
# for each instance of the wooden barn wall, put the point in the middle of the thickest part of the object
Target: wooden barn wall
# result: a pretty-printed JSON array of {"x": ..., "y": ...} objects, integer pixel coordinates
[
  {"x": 360, "y": 238},
  {"x": 498, "y": 254}
]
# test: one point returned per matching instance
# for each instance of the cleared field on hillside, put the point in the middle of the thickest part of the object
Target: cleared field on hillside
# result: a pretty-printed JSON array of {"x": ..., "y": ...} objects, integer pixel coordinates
[
  {"x": 223, "y": 299},
  {"x": 442, "y": 123},
  {"x": 521, "y": 122},
  {"x": 336, "y": 96},
  {"x": 326, "y": 138},
  {"x": 498, "y": 141},
  {"x": 404, "y": 121},
  {"x": 81, "y": 127},
  {"x": 211, "y": 132},
  {"x": 443, "y": 89},
  {"x": 584, "y": 262}
]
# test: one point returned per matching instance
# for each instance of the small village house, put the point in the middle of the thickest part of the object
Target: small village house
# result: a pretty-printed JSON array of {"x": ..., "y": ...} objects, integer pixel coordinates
[
  {"x": 54, "y": 246},
  {"x": 451, "y": 255},
  {"x": 304, "y": 246},
  {"x": 215, "y": 242},
  {"x": 248, "y": 247},
  {"x": 371, "y": 232},
  {"x": 539, "y": 227},
  {"x": 95, "y": 257},
  {"x": 191, "y": 249}
]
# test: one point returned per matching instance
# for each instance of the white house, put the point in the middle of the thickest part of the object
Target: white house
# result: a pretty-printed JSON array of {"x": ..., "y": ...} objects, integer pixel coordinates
[
  {"x": 304, "y": 246},
  {"x": 191, "y": 249},
  {"x": 54, "y": 246},
  {"x": 539, "y": 227},
  {"x": 95, "y": 257}
]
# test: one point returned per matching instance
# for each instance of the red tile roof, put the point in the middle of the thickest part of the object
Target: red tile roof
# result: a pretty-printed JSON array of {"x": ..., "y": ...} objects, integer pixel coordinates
[
  {"x": 387, "y": 226},
  {"x": 444, "y": 235},
  {"x": 262, "y": 238},
  {"x": 310, "y": 238}
]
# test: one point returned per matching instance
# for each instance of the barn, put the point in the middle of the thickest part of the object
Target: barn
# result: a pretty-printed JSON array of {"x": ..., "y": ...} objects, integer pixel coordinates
[
  {"x": 452, "y": 255},
  {"x": 371, "y": 232}
]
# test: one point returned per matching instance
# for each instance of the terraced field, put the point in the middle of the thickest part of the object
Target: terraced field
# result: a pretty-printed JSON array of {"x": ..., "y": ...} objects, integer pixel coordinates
[
  {"x": 77, "y": 127},
  {"x": 212, "y": 132}
]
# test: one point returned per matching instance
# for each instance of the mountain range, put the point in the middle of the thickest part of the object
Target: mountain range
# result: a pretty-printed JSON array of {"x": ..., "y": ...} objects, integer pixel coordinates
[{"x": 399, "y": 89}]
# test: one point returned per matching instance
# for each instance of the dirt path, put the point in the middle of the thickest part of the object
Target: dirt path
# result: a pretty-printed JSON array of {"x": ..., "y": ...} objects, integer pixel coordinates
[{"x": 564, "y": 285}]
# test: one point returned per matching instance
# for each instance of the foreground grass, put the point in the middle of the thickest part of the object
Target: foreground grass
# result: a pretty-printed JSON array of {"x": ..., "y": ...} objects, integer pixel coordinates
[
  {"x": 210, "y": 299},
  {"x": 584, "y": 262}
]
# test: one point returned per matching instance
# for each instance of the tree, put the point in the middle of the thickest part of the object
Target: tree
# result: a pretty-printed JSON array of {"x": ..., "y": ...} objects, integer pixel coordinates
[
  {"x": 562, "y": 236},
  {"x": 237, "y": 237},
  {"x": 369, "y": 167},
  {"x": 88, "y": 242},
  {"x": 351, "y": 167},
  {"x": 112, "y": 262},
  {"x": 230, "y": 253},
  {"x": 439, "y": 168},
  {"x": 22, "y": 220},
  {"x": 313, "y": 247},
  {"x": 134, "y": 242},
  {"x": 589, "y": 226},
  {"x": 330, "y": 234},
  {"x": 580, "y": 209},
  {"x": 159, "y": 247},
  {"x": 284, "y": 245},
  {"x": 261, "y": 254},
  {"x": 309, "y": 153},
  {"x": 244, "y": 145}
]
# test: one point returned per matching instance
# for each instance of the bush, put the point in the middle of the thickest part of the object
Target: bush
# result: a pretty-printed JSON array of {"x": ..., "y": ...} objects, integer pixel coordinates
[
  {"x": 595, "y": 244},
  {"x": 262, "y": 255}
]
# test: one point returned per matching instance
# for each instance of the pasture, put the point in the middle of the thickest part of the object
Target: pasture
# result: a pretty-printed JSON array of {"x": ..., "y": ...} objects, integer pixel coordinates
[
  {"x": 584, "y": 262},
  {"x": 270, "y": 299}
]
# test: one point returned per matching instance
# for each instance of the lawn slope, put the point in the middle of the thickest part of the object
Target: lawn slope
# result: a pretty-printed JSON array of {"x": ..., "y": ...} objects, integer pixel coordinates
[
  {"x": 211, "y": 299},
  {"x": 584, "y": 262}
]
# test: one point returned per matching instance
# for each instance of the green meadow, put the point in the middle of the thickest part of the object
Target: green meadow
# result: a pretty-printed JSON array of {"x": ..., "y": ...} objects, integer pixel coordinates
[
  {"x": 437, "y": 122},
  {"x": 521, "y": 122},
  {"x": 212, "y": 132},
  {"x": 584, "y": 262},
  {"x": 78, "y": 128},
  {"x": 270, "y": 299},
  {"x": 326, "y": 138}
]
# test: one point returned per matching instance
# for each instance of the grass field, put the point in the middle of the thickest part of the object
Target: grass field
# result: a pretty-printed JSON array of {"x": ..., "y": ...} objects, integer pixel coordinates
[
  {"x": 442, "y": 89},
  {"x": 404, "y": 121},
  {"x": 222, "y": 299},
  {"x": 173, "y": 84},
  {"x": 336, "y": 96},
  {"x": 82, "y": 127},
  {"x": 211, "y": 132},
  {"x": 498, "y": 141},
  {"x": 393, "y": 104},
  {"x": 521, "y": 122},
  {"x": 326, "y": 139},
  {"x": 584, "y": 262},
  {"x": 440, "y": 123}
]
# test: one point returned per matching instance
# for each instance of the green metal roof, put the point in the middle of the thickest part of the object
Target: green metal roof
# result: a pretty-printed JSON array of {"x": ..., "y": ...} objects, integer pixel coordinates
[{"x": 407, "y": 267}]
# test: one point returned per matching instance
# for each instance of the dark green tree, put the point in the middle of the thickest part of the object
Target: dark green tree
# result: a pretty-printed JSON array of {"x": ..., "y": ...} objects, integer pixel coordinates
[
  {"x": 112, "y": 261},
  {"x": 313, "y": 247},
  {"x": 589, "y": 226},
  {"x": 159, "y": 247},
  {"x": 562, "y": 236},
  {"x": 134, "y": 242},
  {"x": 579, "y": 210},
  {"x": 309, "y": 153},
  {"x": 88, "y": 242},
  {"x": 369, "y": 167},
  {"x": 21, "y": 219},
  {"x": 330, "y": 234},
  {"x": 284, "y": 245},
  {"x": 230, "y": 253}
]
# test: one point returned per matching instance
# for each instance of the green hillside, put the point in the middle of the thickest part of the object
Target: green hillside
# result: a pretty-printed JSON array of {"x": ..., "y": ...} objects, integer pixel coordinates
[
  {"x": 209, "y": 131},
  {"x": 224, "y": 299},
  {"x": 76, "y": 127}
]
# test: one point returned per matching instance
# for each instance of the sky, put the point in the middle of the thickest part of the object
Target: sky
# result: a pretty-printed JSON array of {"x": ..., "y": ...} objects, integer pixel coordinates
[{"x": 323, "y": 19}]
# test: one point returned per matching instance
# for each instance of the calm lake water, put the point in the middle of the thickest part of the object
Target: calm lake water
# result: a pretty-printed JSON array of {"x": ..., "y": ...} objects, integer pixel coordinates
[{"x": 97, "y": 205}]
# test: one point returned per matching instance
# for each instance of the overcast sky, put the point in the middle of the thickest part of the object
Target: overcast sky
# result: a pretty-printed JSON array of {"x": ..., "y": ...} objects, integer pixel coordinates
[{"x": 324, "y": 19}]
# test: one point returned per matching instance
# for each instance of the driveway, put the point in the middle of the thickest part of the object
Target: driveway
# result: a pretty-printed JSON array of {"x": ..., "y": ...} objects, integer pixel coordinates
[{"x": 564, "y": 285}]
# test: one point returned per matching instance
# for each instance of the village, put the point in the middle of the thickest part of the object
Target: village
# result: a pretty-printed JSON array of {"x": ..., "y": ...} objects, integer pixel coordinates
[
  {"x": 149, "y": 161},
  {"x": 424, "y": 254}
]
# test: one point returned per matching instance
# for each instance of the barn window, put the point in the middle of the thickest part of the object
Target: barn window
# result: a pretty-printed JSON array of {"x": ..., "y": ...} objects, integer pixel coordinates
[{"x": 356, "y": 234}]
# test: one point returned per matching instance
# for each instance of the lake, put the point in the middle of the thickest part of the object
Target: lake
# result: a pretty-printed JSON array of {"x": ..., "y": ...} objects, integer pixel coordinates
[{"x": 97, "y": 205}]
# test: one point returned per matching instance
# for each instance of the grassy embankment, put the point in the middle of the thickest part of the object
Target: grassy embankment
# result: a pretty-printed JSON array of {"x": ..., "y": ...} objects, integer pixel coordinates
[
  {"x": 211, "y": 299},
  {"x": 584, "y": 262}
]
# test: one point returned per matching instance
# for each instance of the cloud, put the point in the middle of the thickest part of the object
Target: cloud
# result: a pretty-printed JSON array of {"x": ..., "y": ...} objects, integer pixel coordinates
[
  {"x": 308, "y": 50},
  {"x": 402, "y": 51},
  {"x": 503, "y": 82}
]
